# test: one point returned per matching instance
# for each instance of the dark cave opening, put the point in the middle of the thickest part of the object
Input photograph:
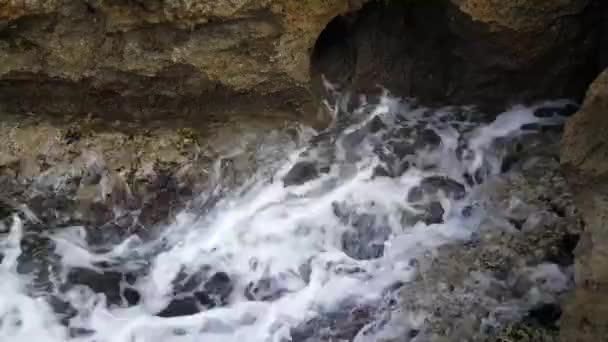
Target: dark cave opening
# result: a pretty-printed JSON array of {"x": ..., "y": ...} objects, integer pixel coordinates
[{"x": 434, "y": 52}]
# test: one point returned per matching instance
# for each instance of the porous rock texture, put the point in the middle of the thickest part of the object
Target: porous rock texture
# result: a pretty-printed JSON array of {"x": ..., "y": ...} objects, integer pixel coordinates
[
  {"x": 585, "y": 160},
  {"x": 159, "y": 58},
  {"x": 81, "y": 171},
  {"x": 210, "y": 59},
  {"x": 463, "y": 289}
]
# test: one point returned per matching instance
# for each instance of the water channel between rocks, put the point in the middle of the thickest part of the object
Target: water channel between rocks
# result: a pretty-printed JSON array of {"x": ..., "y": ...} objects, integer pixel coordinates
[{"x": 399, "y": 223}]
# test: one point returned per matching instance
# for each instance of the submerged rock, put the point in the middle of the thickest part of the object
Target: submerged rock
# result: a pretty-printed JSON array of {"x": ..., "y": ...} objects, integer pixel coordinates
[
  {"x": 201, "y": 290},
  {"x": 181, "y": 307},
  {"x": 450, "y": 187},
  {"x": 116, "y": 286},
  {"x": 366, "y": 233},
  {"x": 341, "y": 325},
  {"x": 301, "y": 173},
  {"x": 195, "y": 293},
  {"x": 266, "y": 289}
]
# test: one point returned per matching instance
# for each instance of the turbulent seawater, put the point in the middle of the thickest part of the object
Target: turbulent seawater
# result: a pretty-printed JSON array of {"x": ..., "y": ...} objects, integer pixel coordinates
[{"x": 314, "y": 247}]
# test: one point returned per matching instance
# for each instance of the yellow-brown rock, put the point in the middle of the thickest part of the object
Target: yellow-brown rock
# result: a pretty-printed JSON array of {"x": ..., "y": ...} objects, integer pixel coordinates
[
  {"x": 585, "y": 159},
  {"x": 153, "y": 58}
]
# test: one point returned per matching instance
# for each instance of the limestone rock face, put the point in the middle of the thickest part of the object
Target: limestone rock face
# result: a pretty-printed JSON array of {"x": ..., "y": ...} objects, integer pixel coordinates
[
  {"x": 196, "y": 59},
  {"x": 150, "y": 58},
  {"x": 585, "y": 160}
]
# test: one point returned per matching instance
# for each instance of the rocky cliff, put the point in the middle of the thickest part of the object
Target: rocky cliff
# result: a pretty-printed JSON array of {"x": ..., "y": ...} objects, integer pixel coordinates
[
  {"x": 151, "y": 59},
  {"x": 116, "y": 79},
  {"x": 585, "y": 159},
  {"x": 189, "y": 60}
]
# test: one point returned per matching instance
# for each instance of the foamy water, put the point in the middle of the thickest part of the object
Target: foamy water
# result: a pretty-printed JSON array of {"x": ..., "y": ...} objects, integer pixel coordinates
[{"x": 268, "y": 259}]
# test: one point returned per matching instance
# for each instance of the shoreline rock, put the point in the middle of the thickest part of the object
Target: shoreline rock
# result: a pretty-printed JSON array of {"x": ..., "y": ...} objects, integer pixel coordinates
[
  {"x": 586, "y": 166},
  {"x": 82, "y": 172}
]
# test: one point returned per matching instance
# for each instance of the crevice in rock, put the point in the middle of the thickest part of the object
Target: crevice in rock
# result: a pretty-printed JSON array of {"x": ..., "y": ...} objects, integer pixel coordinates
[
  {"x": 441, "y": 55},
  {"x": 130, "y": 97}
]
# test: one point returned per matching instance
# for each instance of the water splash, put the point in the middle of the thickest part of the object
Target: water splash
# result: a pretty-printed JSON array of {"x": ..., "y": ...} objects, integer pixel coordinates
[{"x": 313, "y": 249}]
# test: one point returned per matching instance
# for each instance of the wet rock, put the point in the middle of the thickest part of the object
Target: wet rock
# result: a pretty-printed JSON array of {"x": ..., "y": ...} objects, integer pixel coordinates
[
  {"x": 6, "y": 213},
  {"x": 402, "y": 149},
  {"x": 305, "y": 271},
  {"x": 351, "y": 141},
  {"x": 80, "y": 332},
  {"x": 365, "y": 243},
  {"x": 367, "y": 234},
  {"x": 198, "y": 292},
  {"x": 63, "y": 309},
  {"x": 218, "y": 287},
  {"x": 131, "y": 295},
  {"x": 531, "y": 126},
  {"x": 416, "y": 194},
  {"x": 103, "y": 281},
  {"x": 545, "y": 315},
  {"x": 126, "y": 178},
  {"x": 476, "y": 178},
  {"x": 162, "y": 201},
  {"x": 181, "y": 307},
  {"x": 109, "y": 233},
  {"x": 429, "y": 212},
  {"x": 341, "y": 325},
  {"x": 563, "y": 253},
  {"x": 547, "y": 112},
  {"x": 380, "y": 171},
  {"x": 208, "y": 287},
  {"x": 301, "y": 173},
  {"x": 57, "y": 210},
  {"x": 427, "y": 139},
  {"x": 538, "y": 127},
  {"x": 266, "y": 289},
  {"x": 433, "y": 214},
  {"x": 467, "y": 284},
  {"x": 37, "y": 259},
  {"x": 116, "y": 286},
  {"x": 431, "y": 186},
  {"x": 187, "y": 283},
  {"x": 376, "y": 125},
  {"x": 508, "y": 162}
]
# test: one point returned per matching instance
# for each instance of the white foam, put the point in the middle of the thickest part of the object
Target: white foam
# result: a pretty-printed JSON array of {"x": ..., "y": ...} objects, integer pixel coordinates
[{"x": 278, "y": 229}]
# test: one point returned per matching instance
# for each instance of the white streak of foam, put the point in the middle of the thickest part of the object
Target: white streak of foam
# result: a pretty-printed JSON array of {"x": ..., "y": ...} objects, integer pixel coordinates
[{"x": 22, "y": 318}]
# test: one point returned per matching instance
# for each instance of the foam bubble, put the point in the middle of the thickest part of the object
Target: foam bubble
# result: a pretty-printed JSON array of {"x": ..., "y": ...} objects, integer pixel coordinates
[{"x": 285, "y": 242}]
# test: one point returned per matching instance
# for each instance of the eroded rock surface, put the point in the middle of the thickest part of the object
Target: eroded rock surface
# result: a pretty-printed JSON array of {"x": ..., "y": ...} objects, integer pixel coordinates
[
  {"x": 585, "y": 160},
  {"x": 522, "y": 259},
  {"x": 82, "y": 171},
  {"x": 144, "y": 59},
  {"x": 197, "y": 59}
]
